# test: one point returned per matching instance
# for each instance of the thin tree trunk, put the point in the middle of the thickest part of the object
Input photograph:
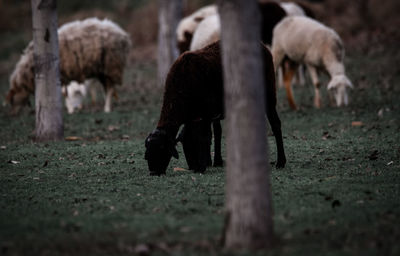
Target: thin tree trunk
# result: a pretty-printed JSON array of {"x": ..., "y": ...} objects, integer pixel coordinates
[
  {"x": 248, "y": 200},
  {"x": 48, "y": 101},
  {"x": 169, "y": 14}
]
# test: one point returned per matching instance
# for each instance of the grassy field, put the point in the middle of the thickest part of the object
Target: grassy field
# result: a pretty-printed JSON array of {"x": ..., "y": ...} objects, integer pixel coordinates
[{"x": 338, "y": 195}]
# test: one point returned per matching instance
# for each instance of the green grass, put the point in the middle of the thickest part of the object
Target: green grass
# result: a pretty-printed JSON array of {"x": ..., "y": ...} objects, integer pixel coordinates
[{"x": 338, "y": 195}]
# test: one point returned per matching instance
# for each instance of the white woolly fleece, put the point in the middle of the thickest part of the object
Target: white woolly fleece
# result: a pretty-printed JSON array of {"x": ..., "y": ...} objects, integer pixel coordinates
[
  {"x": 190, "y": 23},
  {"x": 207, "y": 32}
]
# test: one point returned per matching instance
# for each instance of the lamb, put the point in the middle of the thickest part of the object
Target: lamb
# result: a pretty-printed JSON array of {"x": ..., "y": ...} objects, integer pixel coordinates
[
  {"x": 194, "y": 97},
  {"x": 309, "y": 42},
  {"x": 90, "y": 48},
  {"x": 188, "y": 25}
]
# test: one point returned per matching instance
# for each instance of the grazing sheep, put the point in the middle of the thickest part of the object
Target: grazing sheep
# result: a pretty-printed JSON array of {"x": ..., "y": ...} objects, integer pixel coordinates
[
  {"x": 194, "y": 97},
  {"x": 309, "y": 42},
  {"x": 208, "y": 32},
  {"x": 91, "y": 48},
  {"x": 188, "y": 25},
  {"x": 294, "y": 9}
]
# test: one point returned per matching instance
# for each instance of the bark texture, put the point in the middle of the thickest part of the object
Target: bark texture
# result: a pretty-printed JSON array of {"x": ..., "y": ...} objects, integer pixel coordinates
[
  {"x": 48, "y": 101},
  {"x": 169, "y": 14},
  {"x": 248, "y": 200}
]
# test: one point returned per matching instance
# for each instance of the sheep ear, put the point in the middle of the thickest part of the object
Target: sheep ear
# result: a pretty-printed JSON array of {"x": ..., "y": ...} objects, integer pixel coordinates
[
  {"x": 198, "y": 19},
  {"x": 64, "y": 91},
  {"x": 174, "y": 152},
  {"x": 331, "y": 85},
  {"x": 188, "y": 35},
  {"x": 350, "y": 84}
]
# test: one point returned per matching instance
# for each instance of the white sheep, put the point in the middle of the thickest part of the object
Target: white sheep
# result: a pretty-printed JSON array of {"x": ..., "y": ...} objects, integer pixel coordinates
[
  {"x": 206, "y": 33},
  {"x": 309, "y": 42},
  {"x": 90, "y": 48},
  {"x": 187, "y": 26}
]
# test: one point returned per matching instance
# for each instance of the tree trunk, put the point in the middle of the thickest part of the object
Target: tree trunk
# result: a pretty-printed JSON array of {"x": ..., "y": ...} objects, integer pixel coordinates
[
  {"x": 169, "y": 14},
  {"x": 48, "y": 101},
  {"x": 248, "y": 198}
]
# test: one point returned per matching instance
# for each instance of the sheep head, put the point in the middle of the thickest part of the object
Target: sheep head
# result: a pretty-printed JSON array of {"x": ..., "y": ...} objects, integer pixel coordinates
[
  {"x": 159, "y": 149},
  {"x": 338, "y": 87},
  {"x": 75, "y": 94}
]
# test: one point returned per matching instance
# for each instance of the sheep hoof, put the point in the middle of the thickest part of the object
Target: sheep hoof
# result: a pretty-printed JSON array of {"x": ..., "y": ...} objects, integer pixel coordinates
[
  {"x": 200, "y": 170},
  {"x": 209, "y": 162},
  {"x": 157, "y": 173},
  {"x": 218, "y": 163},
  {"x": 280, "y": 164}
]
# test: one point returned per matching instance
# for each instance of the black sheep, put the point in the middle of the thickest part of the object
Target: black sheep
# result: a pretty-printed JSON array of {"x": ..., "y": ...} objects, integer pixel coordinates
[{"x": 194, "y": 97}]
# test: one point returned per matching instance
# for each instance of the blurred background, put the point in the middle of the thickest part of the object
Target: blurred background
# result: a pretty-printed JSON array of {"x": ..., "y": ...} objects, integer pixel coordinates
[{"x": 367, "y": 27}]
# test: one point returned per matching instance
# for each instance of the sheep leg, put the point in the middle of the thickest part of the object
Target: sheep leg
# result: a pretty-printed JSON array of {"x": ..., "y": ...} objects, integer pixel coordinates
[
  {"x": 217, "y": 143},
  {"x": 280, "y": 77},
  {"x": 209, "y": 138},
  {"x": 314, "y": 77},
  {"x": 288, "y": 73},
  {"x": 109, "y": 93},
  {"x": 92, "y": 91},
  {"x": 203, "y": 142},
  {"x": 186, "y": 136},
  {"x": 275, "y": 123},
  {"x": 195, "y": 138},
  {"x": 278, "y": 54},
  {"x": 300, "y": 76}
]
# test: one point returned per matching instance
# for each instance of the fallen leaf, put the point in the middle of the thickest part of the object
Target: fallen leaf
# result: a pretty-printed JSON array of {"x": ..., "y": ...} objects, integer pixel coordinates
[
  {"x": 185, "y": 229},
  {"x": 326, "y": 135},
  {"x": 380, "y": 113},
  {"x": 142, "y": 250},
  {"x": 332, "y": 222},
  {"x": 72, "y": 138},
  {"x": 112, "y": 128},
  {"x": 179, "y": 169},
  {"x": 356, "y": 123}
]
